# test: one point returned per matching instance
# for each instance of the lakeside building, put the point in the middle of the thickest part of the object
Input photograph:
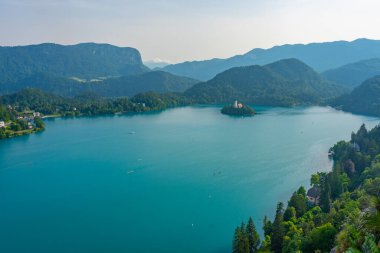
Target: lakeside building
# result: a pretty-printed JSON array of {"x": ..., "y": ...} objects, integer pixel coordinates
[
  {"x": 37, "y": 114},
  {"x": 313, "y": 195},
  {"x": 2, "y": 124}
]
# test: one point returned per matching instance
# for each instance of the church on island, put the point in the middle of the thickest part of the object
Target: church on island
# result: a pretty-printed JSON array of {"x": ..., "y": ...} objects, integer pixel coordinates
[
  {"x": 237, "y": 105},
  {"x": 238, "y": 109}
]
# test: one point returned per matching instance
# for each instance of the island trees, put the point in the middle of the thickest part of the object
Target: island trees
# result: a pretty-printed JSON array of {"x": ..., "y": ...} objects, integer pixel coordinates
[{"x": 238, "y": 109}]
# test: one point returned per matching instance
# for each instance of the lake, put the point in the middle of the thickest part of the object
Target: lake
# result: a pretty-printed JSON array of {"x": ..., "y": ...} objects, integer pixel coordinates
[{"x": 176, "y": 181}]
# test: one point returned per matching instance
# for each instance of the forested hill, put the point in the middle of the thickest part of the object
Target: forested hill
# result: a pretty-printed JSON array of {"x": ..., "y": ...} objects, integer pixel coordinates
[
  {"x": 340, "y": 214},
  {"x": 364, "y": 99},
  {"x": 156, "y": 81},
  {"x": 130, "y": 85},
  {"x": 320, "y": 56},
  {"x": 87, "y": 60},
  {"x": 286, "y": 82},
  {"x": 353, "y": 74}
]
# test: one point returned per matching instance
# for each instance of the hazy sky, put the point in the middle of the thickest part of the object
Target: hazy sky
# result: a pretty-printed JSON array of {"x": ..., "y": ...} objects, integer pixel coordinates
[{"x": 178, "y": 30}]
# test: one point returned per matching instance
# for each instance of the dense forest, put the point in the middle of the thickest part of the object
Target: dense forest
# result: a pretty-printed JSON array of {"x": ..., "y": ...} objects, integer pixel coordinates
[
  {"x": 341, "y": 212},
  {"x": 130, "y": 85},
  {"x": 89, "y": 103},
  {"x": 365, "y": 99},
  {"x": 284, "y": 83},
  {"x": 86, "y": 60}
]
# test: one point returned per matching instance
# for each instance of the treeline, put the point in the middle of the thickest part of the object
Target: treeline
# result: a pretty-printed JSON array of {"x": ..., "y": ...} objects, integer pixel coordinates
[
  {"x": 17, "y": 109},
  {"x": 343, "y": 214},
  {"x": 88, "y": 104}
]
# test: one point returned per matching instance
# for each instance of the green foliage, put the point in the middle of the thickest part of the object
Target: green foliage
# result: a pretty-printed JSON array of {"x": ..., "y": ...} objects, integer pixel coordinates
[
  {"x": 299, "y": 202},
  {"x": 240, "y": 242},
  {"x": 314, "y": 181},
  {"x": 6, "y": 114},
  {"x": 246, "y": 239},
  {"x": 321, "y": 238},
  {"x": 39, "y": 123},
  {"x": 278, "y": 230},
  {"x": 325, "y": 200},
  {"x": 290, "y": 213},
  {"x": 267, "y": 226},
  {"x": 372, "y": 186},
  {"x": 253, "y": 236},
  {"x": 369, "y": 245}
]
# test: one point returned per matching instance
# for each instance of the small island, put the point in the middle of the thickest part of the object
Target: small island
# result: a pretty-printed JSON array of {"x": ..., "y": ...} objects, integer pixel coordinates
[{"x": 238, "y": 109}]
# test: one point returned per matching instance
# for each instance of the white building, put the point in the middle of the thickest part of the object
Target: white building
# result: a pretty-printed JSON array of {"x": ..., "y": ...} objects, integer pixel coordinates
[
  {"x": 235, "y": 104},
  {"x": 36, "y": 114},
  {"x": 2, "y": 124}
]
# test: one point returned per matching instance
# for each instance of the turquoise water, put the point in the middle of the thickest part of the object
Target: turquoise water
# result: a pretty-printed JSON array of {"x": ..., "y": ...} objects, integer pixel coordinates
[{"x": 177, "y": 181}]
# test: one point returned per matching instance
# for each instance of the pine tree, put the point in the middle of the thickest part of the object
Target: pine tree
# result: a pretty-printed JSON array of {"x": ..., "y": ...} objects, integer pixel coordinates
[
  {"x": 325, "y": 200},
  {"x": 290, "y": 213},
  {"x": 244, "y": 243},
  {"x": 267, "y": 227},
  {"x": 236, "y": 240},
  {"x": 277, "y": 239},
  {"x": 253, "y": 236},
  {"x": 240, "y": 242},
  {"x": 299, "y": 202},
  {"x": 336, "y": 184}
]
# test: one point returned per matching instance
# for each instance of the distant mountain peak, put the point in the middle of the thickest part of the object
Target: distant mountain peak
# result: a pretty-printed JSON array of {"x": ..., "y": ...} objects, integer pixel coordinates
[{"x": 320, "y": 56}]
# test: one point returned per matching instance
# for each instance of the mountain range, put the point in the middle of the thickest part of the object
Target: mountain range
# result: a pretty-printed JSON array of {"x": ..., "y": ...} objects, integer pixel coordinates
[
  {"x": 320, "y": 56},
  {"x": 353, "y": 74},
  {"x": 285, "y": 82},
  {"x": 111, "y": 71}
]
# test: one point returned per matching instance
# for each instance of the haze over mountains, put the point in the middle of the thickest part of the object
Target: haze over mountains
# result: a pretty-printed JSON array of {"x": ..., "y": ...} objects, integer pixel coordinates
[
  {"x": 320, "y": 56},
  {"x": 112, "y": 71}
]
